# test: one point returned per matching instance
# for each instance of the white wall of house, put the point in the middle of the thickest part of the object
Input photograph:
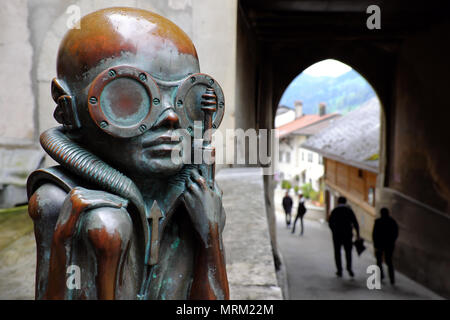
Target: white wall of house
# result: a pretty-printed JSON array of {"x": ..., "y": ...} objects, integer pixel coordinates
[
  {"x": 312, "y": 163},
  {"x": 285, "y": 117},
  {"x": 295, "y": 162},
  {"x": 287, "y": 159}
]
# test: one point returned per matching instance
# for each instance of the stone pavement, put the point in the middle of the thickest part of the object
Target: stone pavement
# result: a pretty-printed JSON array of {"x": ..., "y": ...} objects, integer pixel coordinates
[
  {"x": 17, "y": 255},
  {"x": 17, "y": 269},
  {"x": 310, "y": 269}
]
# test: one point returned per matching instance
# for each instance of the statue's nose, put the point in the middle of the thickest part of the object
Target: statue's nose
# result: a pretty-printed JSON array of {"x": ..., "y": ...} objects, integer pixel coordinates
[{"x": 169, "y": 119}]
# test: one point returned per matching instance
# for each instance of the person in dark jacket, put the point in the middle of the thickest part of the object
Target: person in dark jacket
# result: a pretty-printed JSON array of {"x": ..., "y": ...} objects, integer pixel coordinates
[
  {"x": 287, "y": 206},
  {"x": 301, "y": 210},
  {"x": 342, "y": 221},
  {"x": 384, "y": 235}
]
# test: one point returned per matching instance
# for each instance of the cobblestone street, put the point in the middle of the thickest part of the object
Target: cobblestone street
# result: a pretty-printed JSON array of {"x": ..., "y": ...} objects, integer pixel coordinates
[
  {"x": 310, "y": 269},
  {"x": 17, "y": 255}
]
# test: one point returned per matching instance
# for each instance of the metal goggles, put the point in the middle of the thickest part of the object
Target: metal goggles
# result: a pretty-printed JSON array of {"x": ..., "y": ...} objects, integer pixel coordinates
[{"x": 125, "y": 101}]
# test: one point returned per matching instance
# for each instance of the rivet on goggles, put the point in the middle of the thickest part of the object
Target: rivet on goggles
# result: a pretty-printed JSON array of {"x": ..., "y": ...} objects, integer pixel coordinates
[{"x": 125, "y": 101}]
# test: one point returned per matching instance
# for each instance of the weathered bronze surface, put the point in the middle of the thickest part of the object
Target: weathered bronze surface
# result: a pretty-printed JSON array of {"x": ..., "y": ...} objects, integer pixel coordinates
[{"x": 137, "y": 224}]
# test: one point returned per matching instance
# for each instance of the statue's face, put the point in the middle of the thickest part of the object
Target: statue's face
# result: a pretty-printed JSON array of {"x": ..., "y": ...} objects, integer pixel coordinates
[
  {"x": 133, "y": 76},
  {"x": 139, "y": 116},
  {"x": 152, "y": 152},
  {"x": 136, "y": 119}
]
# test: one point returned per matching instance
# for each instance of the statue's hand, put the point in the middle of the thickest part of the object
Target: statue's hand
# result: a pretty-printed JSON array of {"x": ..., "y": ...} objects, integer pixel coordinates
[{"x": 203, "y": 204}]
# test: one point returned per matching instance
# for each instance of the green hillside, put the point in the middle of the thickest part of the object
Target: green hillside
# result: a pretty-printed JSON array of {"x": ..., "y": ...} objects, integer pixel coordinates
[{"x": 341, "y": 94}]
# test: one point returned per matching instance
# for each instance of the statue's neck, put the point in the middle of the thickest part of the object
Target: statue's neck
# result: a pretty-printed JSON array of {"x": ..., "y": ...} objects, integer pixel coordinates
[{"x": 162, "y": 189}]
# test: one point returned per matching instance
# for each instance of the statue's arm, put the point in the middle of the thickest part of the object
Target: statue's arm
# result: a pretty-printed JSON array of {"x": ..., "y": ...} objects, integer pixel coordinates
[
  {"x": 106, "y": 226},
  {"x": 210, "y": 278},
  {"x": 205, "y": 209},
  {"x": 44, "y": 207}
]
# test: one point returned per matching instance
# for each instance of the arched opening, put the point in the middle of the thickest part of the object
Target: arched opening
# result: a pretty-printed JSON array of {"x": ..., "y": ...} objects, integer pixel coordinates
[
  {"x": 329, "y": 120},
  {"x": 313, "y": 102}
]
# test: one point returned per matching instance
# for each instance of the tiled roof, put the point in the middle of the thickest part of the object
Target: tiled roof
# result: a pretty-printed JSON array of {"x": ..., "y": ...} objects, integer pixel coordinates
[
  {"x": 301, "y": 122},
  {"x": 317, "y": 126},
  {"x": 353, "y": 139}
]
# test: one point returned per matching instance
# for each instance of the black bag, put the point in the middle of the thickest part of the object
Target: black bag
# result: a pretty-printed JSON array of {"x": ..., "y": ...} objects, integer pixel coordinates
[{"x": 359, "y": 246}]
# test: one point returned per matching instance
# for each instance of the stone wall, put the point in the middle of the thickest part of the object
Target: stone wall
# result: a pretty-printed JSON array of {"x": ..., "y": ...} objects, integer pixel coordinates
[
  {"x": 417, "y": 186},
  {"x": 420, "y": 153},
  {"x": 249, "y": 259},
  {"x": 16, "y": 94},
  {"x": 31, "y": 31},
  {"x": 18, "y": 126}
]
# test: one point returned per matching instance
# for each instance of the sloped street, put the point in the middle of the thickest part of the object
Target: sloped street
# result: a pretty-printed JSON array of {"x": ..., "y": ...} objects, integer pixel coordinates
[{"x": 310, "y": 270}]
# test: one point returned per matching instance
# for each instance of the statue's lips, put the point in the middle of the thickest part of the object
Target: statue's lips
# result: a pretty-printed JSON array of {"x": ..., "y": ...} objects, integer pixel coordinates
[{"x": 161, "y": 146}]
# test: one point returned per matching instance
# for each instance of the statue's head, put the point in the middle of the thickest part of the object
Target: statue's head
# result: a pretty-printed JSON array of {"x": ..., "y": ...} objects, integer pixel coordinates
[{"x": 126, "y": 80}]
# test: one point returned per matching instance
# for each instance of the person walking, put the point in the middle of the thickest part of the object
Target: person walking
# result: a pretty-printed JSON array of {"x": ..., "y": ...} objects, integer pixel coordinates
[
  {"x": 384, "y": 235},
  {"x": 287, "y": 206},
  {"x": 342, "y": 221},
  {"x": 301, "y": 210}
]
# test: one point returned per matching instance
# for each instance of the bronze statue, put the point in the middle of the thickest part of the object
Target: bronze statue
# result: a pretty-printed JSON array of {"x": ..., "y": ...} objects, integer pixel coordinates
[{"x": 136, "y": 223}]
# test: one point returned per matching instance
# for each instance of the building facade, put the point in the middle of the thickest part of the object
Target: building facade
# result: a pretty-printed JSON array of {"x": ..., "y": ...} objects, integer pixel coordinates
[
  {"x": 350, "y": 149},
  {"x": 296, "y": 164},
  {"x": 358, "y": 186}
]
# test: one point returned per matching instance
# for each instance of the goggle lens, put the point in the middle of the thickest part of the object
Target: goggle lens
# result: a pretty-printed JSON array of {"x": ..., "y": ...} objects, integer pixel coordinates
[{"x": 125, "y": 102}]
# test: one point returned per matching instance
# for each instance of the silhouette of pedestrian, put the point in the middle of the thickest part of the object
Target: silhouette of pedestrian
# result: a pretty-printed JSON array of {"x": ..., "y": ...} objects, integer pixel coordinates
[
  {"x": 301, "y": 210},
  {"x": 287, "y": 206},
  {"x": 384, "y": 235},
  {"x": 342, "y": 221}
]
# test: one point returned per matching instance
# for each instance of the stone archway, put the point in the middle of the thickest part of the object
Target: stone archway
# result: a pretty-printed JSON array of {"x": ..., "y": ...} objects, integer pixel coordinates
[
  {"x": 365, "y": 69},
  {"x": 400, "y": 62}
]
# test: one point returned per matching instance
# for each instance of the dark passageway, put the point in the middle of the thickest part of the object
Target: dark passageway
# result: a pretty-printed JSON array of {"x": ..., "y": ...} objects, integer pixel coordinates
[{"x": 406, "y": 62}]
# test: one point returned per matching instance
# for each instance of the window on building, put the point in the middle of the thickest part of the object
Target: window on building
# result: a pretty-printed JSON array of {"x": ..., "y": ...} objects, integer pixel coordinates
[
  {"x": 320, "y": 159},
  {"x": 281, "y": 156},
  {"x": 288, "y": 157},
  {"x": 303, "y": 156},
  {"x": 360, "y": 173},
  {"x": 310, "y": 157}
]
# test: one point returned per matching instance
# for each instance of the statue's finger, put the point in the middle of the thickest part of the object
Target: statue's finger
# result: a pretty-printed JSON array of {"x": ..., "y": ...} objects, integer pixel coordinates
[
  {"x": 198, "y": 179},
  {"x": 192, "y": 186}
]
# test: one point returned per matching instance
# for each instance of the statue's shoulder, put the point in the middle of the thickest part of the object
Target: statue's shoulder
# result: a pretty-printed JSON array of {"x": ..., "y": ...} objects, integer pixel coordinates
[
  {"x": 51, "y": 177},
  {"x": 53, "y": 184},
  {"x": 47, "y": 188}
]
